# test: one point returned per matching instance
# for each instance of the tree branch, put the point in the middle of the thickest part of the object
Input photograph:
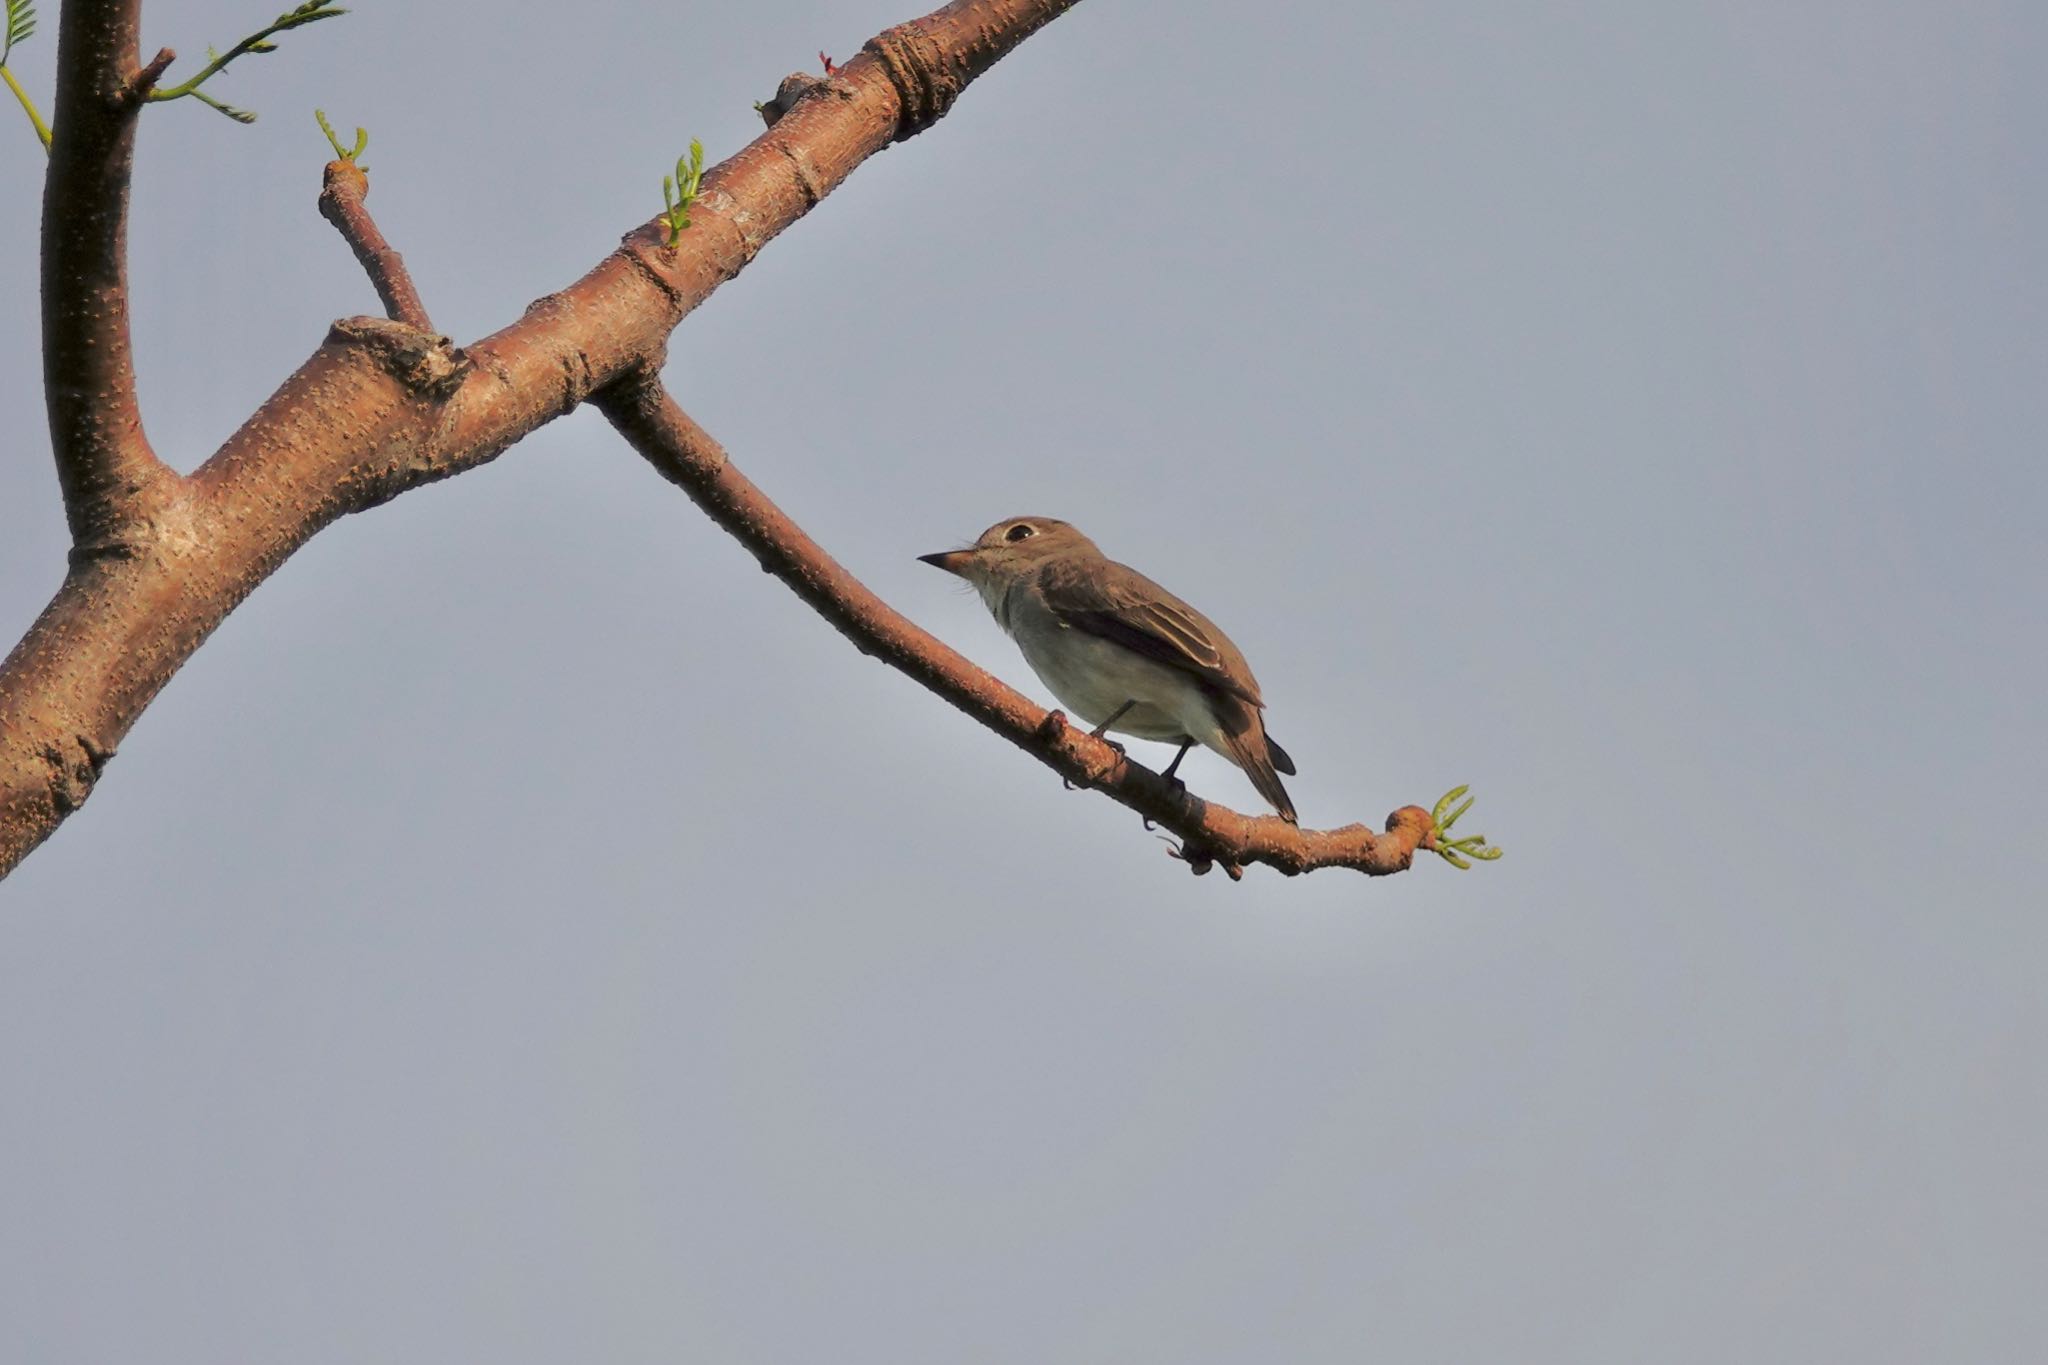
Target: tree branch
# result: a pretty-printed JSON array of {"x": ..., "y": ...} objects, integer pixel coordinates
[
  {"x": 684, "y": 454},
  {"x": 378, "y": 409},
  {"x": 342, "y": 191},
  {"x": 111, "y": 480}
]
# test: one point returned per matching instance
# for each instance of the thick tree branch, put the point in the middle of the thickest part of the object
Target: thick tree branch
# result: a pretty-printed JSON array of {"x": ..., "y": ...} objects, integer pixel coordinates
[
  {"x": 342, "y": 191},
  {"x": 111, "y": 480},
  {"x": 688, "y": 457},
  {"x": 380, "y": 407}
]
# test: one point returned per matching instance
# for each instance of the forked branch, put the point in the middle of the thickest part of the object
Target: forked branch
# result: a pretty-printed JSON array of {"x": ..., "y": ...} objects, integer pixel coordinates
[{"x": 378, "y": 409}]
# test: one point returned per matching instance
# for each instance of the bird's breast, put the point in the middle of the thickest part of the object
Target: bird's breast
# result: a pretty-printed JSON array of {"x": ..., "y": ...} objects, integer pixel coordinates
[{"x": 1092, "y": 677}]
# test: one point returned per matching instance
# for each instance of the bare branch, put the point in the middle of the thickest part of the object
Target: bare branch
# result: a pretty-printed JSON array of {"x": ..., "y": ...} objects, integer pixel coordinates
[
  {"x": 343, "y": 189},
  {"x": 111, "y": 480},
  {"x": 688, "y": 457}
]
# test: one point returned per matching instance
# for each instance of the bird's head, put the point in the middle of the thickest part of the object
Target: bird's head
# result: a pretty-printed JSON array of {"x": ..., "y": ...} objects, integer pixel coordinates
[{"x": 1012, "y": 547}]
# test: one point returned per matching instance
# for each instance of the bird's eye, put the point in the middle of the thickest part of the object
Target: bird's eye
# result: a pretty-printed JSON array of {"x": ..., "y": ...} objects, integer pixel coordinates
[{"x": 1023, "y": 530}]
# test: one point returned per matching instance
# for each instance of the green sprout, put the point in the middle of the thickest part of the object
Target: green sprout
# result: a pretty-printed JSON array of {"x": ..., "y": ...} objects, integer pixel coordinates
[
  {"x": 21, "y": 22},
  {"x": 679, "y": 191},
  {"x": 1456, "y": 852},
  {"x": 311, "y": 12},
  {"x": 349, "y": 155}
]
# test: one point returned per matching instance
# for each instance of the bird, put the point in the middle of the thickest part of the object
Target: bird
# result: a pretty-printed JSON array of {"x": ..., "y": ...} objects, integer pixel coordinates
[{"x": 1118, "y": 650}]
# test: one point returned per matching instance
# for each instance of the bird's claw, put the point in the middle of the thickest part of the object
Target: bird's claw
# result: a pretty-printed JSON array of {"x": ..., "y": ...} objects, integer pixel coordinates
[{"x": 1200, "y": 860}]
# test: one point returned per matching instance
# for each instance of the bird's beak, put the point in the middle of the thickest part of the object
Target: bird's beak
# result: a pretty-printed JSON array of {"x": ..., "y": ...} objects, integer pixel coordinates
[{"x": 952, "y": 561}]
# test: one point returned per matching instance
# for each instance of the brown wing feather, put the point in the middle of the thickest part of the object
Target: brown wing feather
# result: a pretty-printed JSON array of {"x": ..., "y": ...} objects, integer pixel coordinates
[
  {"x": 1244, "y": 736},
  {"x": 1118, "y": 603}
]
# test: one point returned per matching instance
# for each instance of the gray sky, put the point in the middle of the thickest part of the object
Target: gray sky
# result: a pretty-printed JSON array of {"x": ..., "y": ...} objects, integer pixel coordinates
[{"x": 525, "y": 933}]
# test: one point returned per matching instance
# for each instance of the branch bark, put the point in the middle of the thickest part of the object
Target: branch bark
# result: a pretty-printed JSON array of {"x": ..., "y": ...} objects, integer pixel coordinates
[
  {"x": 686, "y": 455},
  {"x": 112, "y": 481},
  {"x": 380, "y": 408},
  {"x": 343, "y": 188}
]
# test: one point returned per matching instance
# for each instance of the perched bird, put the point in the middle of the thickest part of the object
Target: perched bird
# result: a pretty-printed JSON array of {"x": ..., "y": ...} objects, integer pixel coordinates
[{"x": 1118, "y": 650}]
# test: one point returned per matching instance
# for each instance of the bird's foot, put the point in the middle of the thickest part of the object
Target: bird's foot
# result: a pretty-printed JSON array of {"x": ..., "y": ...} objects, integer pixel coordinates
[
  {"x": 1200, "y": 860},
  {"x": 1101, "y": 732}
]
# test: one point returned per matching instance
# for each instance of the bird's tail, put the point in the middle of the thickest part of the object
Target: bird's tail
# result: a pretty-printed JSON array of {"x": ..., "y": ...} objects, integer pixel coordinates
[{"x": 1244, "y": 735}]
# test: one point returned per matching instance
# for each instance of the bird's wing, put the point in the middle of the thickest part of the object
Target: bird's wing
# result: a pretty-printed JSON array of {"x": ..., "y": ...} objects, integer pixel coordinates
[{"x": 1119, "y": 603}]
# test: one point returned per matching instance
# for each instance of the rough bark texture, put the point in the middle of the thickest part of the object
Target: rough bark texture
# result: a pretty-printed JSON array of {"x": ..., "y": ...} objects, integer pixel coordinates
[
  {"x": 383, "y": 406},
  {"x": 111, "y": 479}
]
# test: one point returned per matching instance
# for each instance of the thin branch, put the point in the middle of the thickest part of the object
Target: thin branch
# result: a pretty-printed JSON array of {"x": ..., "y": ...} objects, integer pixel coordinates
[
  {"x": 28, "y": 106},
  {"x": 311, "y": 12},
  {"x": 342, "y": 191},
  {"x": 684, "y": 454},
  {"x": 111, "y": 479},
  {"x": 18, "y": 26}
]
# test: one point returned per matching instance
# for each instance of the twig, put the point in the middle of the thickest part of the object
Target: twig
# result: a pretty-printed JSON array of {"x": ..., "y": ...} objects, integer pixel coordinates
[
  {"x": 19, "y": 27},
  {"x": 683, "y": 453},
  {"x": 341, "y": 203},
  {"x": 145, "y": 80},
  {"x": 261, "y": 41},
  {"x": 28, "y": 106}
]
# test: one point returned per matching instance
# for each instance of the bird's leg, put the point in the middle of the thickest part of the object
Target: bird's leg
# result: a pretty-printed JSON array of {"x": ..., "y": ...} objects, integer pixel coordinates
[
  {"x": 1185, "y": 745},
  {"x": 1101, "y": 731}
]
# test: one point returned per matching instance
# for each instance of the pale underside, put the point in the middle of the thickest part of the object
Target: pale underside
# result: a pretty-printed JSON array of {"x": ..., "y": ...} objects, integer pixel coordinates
[{"x": 1091, "y": 677}]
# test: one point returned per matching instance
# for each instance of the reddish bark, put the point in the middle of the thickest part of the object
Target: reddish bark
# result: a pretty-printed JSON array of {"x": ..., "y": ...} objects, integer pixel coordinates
[
  {"x": 111, "y": 480},
  {"x": 382, "y": 407}
]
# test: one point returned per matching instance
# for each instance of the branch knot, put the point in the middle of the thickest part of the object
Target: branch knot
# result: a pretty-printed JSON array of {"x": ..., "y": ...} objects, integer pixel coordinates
[
  {"x": 795, "y": 87},
  {"x": 916, "y": 66},
  {"x": 427, "y": 364}
]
